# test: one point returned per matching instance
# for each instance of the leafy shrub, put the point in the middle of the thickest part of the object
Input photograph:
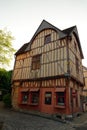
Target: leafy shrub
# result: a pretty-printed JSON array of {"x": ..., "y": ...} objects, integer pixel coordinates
[{"x": 7, "y": 100}]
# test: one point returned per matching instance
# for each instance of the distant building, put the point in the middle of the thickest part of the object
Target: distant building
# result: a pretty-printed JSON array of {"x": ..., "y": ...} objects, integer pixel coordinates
[
  {"x": 85, "y": 87},
  {"x": 48, "y": 72}
]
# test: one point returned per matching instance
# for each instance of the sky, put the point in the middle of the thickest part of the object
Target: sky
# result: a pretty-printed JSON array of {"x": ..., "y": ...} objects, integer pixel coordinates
[{"x": 23, "y": 17}]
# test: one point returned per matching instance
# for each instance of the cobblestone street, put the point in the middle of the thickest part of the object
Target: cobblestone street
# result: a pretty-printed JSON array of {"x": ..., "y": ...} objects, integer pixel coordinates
[{"x": 20, "y": 121}]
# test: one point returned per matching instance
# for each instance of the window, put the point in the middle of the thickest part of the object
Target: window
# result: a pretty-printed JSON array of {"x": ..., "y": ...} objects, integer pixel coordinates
[
  {"x": 47, "y": 39},
  {"x": 35, "y": 97},
  {"x": 48, "y": 98},
  {"x": 60, "y": 98},
  {"x": 36, "y": 62},
  {"x": 25, "y": 96}
]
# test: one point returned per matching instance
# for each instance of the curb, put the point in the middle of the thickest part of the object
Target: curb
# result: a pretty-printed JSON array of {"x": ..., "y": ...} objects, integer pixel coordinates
[{"x": 38, "y": 114}]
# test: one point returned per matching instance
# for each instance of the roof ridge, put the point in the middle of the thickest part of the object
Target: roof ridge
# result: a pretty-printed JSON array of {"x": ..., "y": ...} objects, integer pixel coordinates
[
  {"x": 52, "y": 25},
  {"x": 68, "y": 30},
  {"x": 70, "y": 27}
]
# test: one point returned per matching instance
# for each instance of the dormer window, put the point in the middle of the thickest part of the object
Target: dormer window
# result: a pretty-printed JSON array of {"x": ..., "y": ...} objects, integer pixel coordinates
[{"x": 47, "y": 39}]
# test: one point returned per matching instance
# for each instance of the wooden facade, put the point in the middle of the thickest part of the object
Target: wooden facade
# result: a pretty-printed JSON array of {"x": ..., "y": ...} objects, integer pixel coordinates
[{"x": 48, "y": 73}]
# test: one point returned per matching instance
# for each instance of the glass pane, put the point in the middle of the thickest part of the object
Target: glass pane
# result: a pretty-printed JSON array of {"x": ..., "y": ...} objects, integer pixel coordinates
[
  {"x": 60, "y": 98},
  {"x": 47, "y": 38},
  {"x": 60, "y": 93},
  {"x": 61, "y": 101},
  {"x": 35, "y": 97},
  {"x": 24, "y": 97},
  {"x": 48, "y": 98}
]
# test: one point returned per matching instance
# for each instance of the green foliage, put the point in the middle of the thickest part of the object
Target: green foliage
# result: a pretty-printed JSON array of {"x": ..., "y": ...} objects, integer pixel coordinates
[
  {"x": 6, "y": 49},
  {"x": 7, "y": 100},
  {"x": 5, "y": 80}
]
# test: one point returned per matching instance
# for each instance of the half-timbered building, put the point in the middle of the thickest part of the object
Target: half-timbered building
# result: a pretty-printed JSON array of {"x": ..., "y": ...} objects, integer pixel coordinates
[
  {"x": 85, "y": 88},
  {"x": 48, "y": 74}
]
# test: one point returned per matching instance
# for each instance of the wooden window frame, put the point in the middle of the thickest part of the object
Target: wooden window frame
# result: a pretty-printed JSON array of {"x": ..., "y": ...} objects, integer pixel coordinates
[
  {"x": 34, "y": 98},
  {"x": 36, "y": 62},
  {"x": 47, "y": 39},
  {"x": 59, "y": 96},
  {"x": 24, "y": 97},
  {"x": 48, "y": 98}
]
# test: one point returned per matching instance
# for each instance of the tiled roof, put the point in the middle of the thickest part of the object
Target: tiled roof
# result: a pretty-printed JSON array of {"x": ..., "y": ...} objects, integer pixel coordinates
[
  {"x": 68, "y": 31},
  {"x": 46, "y": 25},
  {"x": 62, "y": 34},
  {"x": 22, "y": 49}
]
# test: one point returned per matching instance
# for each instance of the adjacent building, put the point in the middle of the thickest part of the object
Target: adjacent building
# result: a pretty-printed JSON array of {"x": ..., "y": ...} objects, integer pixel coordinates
[
  {"x": 48, "y": 72},
  {"x": 85, "y": 88}
]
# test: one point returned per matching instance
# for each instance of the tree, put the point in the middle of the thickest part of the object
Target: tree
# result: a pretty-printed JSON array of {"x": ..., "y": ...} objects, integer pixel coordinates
[
  {"x": 5, "y": 82},
  {"x": 7, "y": 100},
  {"x": 6, "y": 49}
]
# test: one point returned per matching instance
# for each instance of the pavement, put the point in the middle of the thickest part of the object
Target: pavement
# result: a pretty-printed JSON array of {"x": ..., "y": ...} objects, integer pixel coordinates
[
  {"x": 80, "y": 122},
  {"x": 81, "y": 119},
  {"x": 13, "y": 120}
]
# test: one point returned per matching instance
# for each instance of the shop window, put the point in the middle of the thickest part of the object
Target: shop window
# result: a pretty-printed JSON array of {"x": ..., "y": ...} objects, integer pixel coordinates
[
  {"x": 25, "y": 96},
  {"x": 34, "y": 97},
  {"x": 60, "y": 96},
  {"x": 36, "y": 62},
  {"x": 47, "y": 39},
  {"x": 48, "y": 98}
]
